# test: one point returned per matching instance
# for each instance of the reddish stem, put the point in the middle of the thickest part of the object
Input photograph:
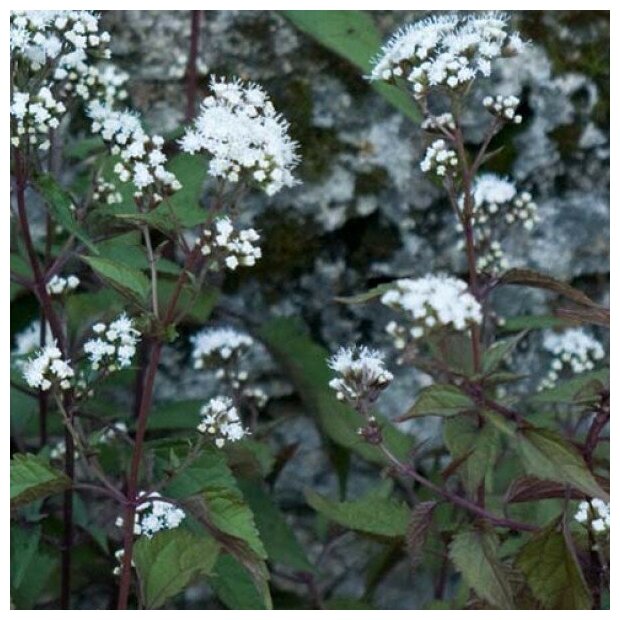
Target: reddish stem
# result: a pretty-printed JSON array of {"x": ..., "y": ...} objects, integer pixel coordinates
[
  {"x": 132, "y": 484},
  {"x": 192, "y": 74}
]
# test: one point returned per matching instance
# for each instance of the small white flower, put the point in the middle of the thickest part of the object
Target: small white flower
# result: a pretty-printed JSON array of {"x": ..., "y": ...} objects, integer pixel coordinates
[
  {"x": 361, "y": 374},
  {"x": 219, "y": 419}
]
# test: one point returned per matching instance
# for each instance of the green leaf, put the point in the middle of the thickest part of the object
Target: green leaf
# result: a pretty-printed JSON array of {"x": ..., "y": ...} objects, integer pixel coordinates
[
  {"x": 197, "y": 306},
  {"x": 476, "y": 446},
  {"x": 498, "y": 351},
  {"x": 222, "y": 501},
  {"x": 128, "y": 249},
  {"x": 371, "y": 514},
  {"x": 580, "y": 390},
  {"x": 353, "y": 36},
  {"x": 128, "y": 281},
  {"x": 234, "y": 586},
  {"x": 32, "y": 566},
  {"x": 32, "y": 479},
  {"x": 362, "y": 298},
  {"x": 528, "y": 277},
  {"x": 474, "y": 553},
  {"x": 280, "y": 542},
  {"x": 552, "y": 571},
  {"x": 61, "y": 207},
  {"x": 547, "y": 455},
  {"x": 305, "y": 363},
  {"x": 169, "y": 561},
  {"x": 175, "y": 415},
  {"x": 525, "y": 322},
  {"x": 439, "y": 399}
]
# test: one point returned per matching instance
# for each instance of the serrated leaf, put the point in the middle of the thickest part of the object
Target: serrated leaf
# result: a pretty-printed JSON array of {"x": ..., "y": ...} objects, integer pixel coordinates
[
  {"x": 128, "y": 281},
  {"x": 417, "y": 529},
  {"x": 475, "y": 555},
  {"x": 353, "y": 36},
  {"x": 305, "y": 363},
  {"x": 552, "y": 571},
  {"x": 223, "y": 503},
  {"x": 169, "y": 561},
  {"x": 580, "y": 390},
  {"x": 498, "y": 351},
  {"x": 32, "y": 479},
  {"x": 531, "y": 489},
  {"x": 549, "y": 456},
  {"x": 439, "y": 400},
  {"x": 280, "y": 542},
  {"x": 475, "y": 445},
  {"x": 535, "y": 279},
  {"x": 371, "y": 514},
  {"x": 234, "y": 586},
  {"x": 61, "y": 207}
]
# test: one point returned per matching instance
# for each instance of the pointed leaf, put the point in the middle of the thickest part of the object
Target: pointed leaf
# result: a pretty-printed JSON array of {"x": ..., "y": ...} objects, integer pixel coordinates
[
  {"x": 547, "y": 455},
  {"x": 552, "y": 571},
  {"x": 476, "y": 445},
  {"x": 130, "y": 282},
  {"x": 474, "y": 553},
  {"x": 417, "y": 530},
  {"x": 168, "y": 562},
  {"x": 371, "y": 514},
  {"x": 32, "y": 479},
  {"x": 439, "y": 399},
  {"x": 62, "y": 208},
  {"x": 498, "y": 351},
  {"x": 528, "y": 277}
]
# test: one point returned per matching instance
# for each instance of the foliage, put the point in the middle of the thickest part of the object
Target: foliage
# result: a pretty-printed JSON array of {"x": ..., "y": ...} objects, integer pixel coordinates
[{"x": 147, "y": 441}]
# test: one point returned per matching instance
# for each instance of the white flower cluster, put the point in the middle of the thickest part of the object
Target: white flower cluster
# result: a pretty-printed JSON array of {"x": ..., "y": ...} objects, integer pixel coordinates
[
  {"x": 429, "y": 302},
  {"x": 504, "y": 108},
  {"x": 439, "y": 122},
  {"x": 115, "y": 346},
  {"x": 573, "y": 349},
  {"x": 447, "y": 51},
  {"x": 40, "y": 37},
  {"x": 154, "y": 515},
  {"x": 142, "y": 157},
  {"x": 220, "y": 420},
  {"x": 29, "y": 340},
  {"x": 496, "y": 204},
  {"x": 106, "y": 192},
  {"x": 48, "y": 369},
  {"x": 245, "y": 137},
  {"x": 34, "y": 117},
  {"x": 90, "y": 82},
  {"x": 596, "y": 513},
  {"x": 218, "y": 345},
  {"x": 228, "y": 246},
  {"x": 440, "y": 159},
  {"x": 362, "y": 374},
  {"x": 57, "y": 285}
]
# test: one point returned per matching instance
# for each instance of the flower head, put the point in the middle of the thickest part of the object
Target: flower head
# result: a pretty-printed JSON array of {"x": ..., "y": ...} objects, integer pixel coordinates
[
  {"x": 220, "y": 420},
  {"x": 244, "y": 136},
  {"x": 115, "y": 344},
  {"x": 430, "y": 302},
  {"x": 362, "y": 375},
  {"x": 47, "y": 369},
  {"x": 448, "y": 51},
  {"x": 572, "y": 349},
  {"x": 219, "y": 345},
  {"x": 229, "y": 247}
]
